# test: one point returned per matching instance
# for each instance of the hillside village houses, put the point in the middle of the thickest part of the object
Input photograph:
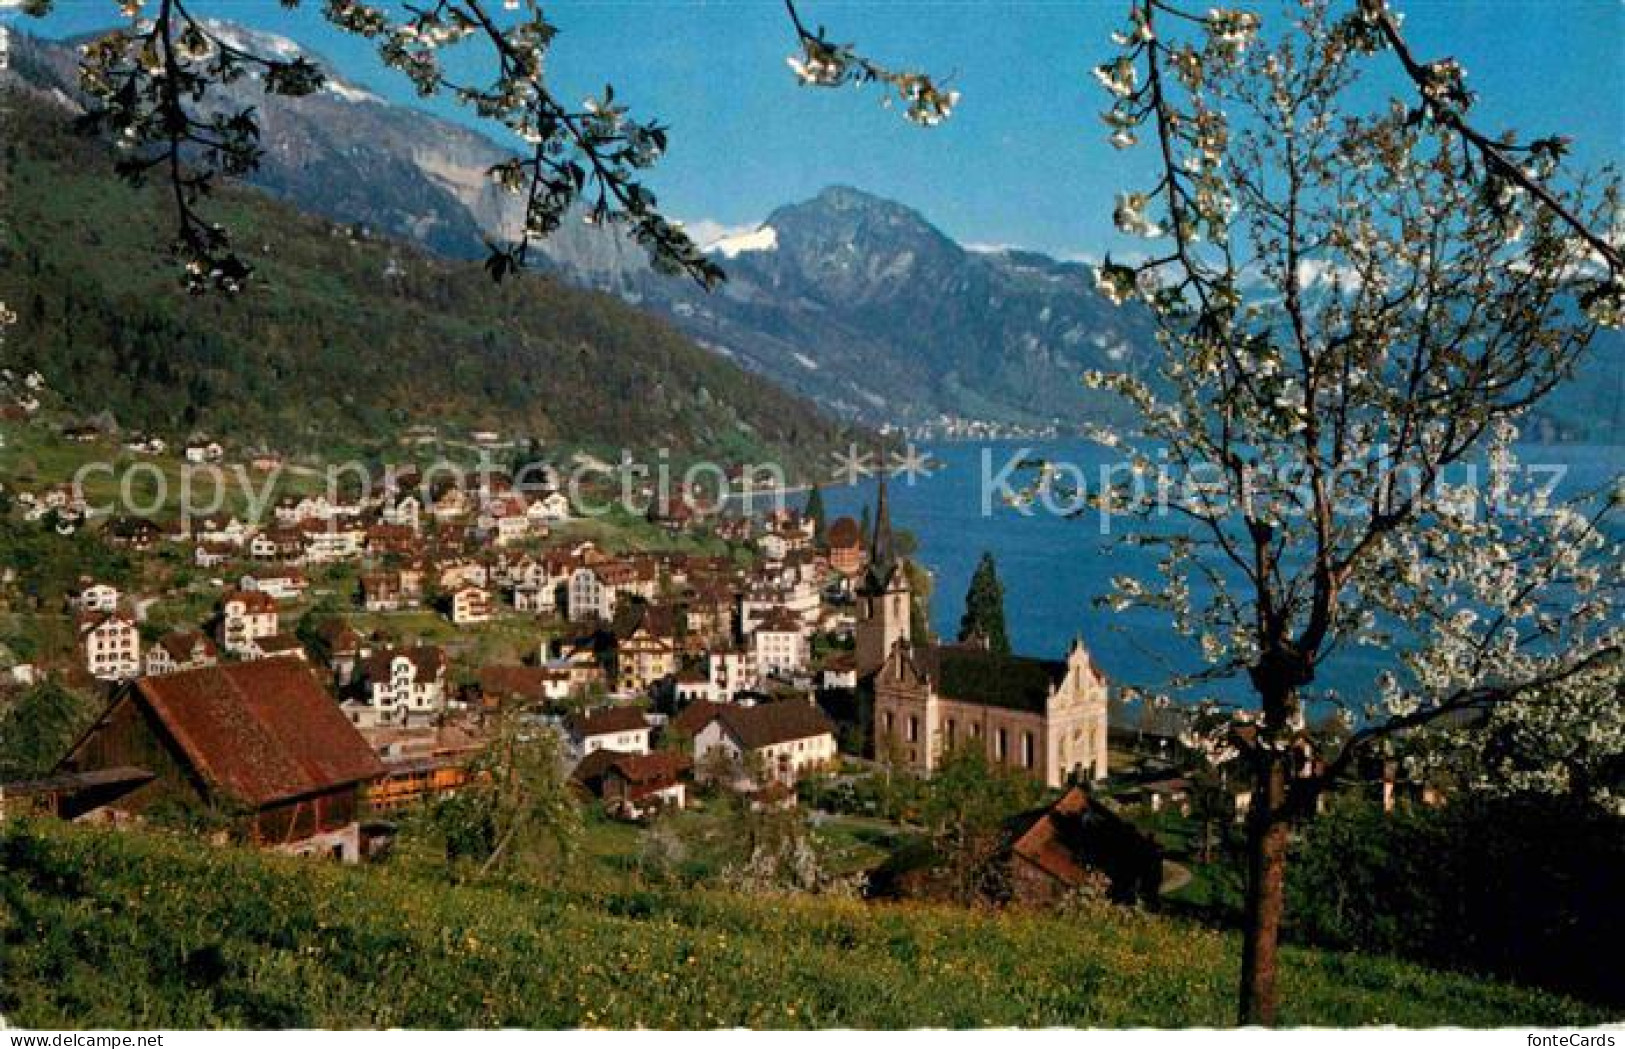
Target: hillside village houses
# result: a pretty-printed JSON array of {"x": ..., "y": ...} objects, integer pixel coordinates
[{"x": 633, "y": 653}]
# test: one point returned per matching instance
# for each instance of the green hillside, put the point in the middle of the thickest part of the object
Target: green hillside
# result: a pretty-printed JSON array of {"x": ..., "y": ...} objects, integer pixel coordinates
[
  {"x": 342, "y": 341},
  {"x": 124, "y": 929}
]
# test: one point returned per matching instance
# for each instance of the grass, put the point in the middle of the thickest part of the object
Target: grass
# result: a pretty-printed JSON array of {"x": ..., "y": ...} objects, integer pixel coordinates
[{"x": 109, "y": 929}]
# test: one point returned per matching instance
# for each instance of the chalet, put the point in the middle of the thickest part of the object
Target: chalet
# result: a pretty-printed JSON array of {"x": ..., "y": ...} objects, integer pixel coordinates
[
  {"x": 770, "y": 743},
  {"x": 383, "y": 592},
  {"x": 204, "y": 452},
  {"x": 470, "y": 605},
  {"x": 1075, "y": 842},
  {"x": 245, "y": 617},
  {"x": 622, "y": 729},
  {"x": 220, "y": 530},
  {"x": 133, "y": 533},
  {"x": 292, "y": 511},
  {"x": 333, "y": 540},
  {"x": 213, "y": 555},
  {"x": 259, "y": 744},
  {"x": 537, "y": 598},
  {"x": 779, "y": 644},
  {"x": 284, "y": 584},
  {"x": 645, "y": 650},
  {"x": 708, "y": 612},
  {"x": 461, "y": 573},
  {"x": 111, "y": 645},
  {"x": 181, "y": 650},
  {"x": 405, "y": 686},
  {"x": 551, "y": 508},
  {"x": 633, "y": 785},
  {"x": 383, "y": 538},
  {"x": 97, "y": 597}
]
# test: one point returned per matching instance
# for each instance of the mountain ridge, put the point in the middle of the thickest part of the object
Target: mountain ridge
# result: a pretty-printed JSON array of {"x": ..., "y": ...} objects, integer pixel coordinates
[{"x": 853, "y": 301}]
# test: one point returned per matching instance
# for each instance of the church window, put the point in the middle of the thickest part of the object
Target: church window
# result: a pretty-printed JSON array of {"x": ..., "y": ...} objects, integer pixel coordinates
[
  {"x": 1027, "y": 750},
  {"x": 1001, "y": 746}
]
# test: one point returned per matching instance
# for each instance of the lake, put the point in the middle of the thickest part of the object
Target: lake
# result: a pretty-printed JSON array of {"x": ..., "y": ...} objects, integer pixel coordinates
[{"x": 1053, "y": 566}]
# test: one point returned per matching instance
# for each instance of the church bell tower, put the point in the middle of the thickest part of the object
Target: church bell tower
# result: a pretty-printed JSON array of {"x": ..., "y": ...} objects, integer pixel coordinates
[{"x": 884, "y": 597}]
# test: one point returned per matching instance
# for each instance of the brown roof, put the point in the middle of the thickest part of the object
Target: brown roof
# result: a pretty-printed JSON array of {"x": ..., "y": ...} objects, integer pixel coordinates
[
  {"x": 781, "y": 620},
  {"x": 253, "y": 600},
  {"x": 843, "y": 532},
  {"x": 771, "y": 723},
  {"x": 277, "y": 643},
  {"x": 653, "y": 767},
  {"x": 180, "y": 644},
  {"x": 695, "y": 716},
  {"x": 259, "y": 732},
  {"x": 516, "y": 680},
  {"x": 1046, "y": 844},
  {"x": 606, "y": 720},
  {"x": 428, "y": 660}
]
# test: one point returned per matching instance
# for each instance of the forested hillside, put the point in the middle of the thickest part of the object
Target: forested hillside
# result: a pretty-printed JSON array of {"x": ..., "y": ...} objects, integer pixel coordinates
[{"x": 342, "y": 340}]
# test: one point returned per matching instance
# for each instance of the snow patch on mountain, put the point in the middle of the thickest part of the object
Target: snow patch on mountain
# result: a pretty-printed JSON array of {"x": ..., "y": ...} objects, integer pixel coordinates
[{"x": 765, "y": 238}]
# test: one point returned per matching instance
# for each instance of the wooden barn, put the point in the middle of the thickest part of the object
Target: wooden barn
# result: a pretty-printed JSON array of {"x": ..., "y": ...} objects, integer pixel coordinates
[{"x": 259, "y": 748}]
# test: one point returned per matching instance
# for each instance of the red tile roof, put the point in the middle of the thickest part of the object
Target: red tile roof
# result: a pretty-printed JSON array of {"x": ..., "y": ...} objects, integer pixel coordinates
[{"x": 259, "y": 732}]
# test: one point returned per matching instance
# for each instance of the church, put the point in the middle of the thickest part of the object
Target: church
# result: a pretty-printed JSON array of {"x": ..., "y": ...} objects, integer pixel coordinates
[{"x": 1046, "y": 717}]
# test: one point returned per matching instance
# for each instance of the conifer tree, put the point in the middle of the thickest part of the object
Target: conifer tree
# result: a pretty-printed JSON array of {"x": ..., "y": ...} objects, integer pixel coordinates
[{"x": 984, "y": 608}]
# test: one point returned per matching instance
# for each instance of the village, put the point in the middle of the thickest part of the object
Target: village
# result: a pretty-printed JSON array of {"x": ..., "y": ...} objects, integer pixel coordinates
[{"x": 341, "y": 664}]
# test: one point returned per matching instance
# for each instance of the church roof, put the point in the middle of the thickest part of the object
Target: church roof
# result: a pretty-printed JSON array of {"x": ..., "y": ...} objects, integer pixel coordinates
[{"x": 976, "y": 675}]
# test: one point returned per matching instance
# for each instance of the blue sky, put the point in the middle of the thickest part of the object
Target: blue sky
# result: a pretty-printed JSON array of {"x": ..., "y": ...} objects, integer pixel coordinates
[{"x": 1023, "y": 161}]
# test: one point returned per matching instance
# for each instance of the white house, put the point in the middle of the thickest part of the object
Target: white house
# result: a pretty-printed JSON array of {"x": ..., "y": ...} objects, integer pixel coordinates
[
  {"x": 98, "y": 597},
  {"x": 771, "y": 742},
  {"x": 399, "y": 686},
  {"x": 181, "y": 650},
  {"x": 470, "y": 605},
  {"x": 779, "y": 644},
  {"x": 548, "y": 509},
  {"x": 111, "y": 645},
  {"x": 622, "y": 729},
  {"x": 245, "y": 617}
]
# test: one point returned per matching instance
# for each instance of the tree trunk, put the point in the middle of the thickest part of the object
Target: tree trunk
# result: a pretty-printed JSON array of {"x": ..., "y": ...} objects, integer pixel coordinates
[{"x": 1267, "y": 830}]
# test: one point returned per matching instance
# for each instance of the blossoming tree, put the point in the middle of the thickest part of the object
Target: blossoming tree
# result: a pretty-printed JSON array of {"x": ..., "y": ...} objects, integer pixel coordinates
[{"x": 1356, "y": 303}]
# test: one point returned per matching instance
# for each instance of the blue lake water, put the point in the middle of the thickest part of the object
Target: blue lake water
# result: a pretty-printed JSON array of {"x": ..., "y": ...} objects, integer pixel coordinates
[{"x": 1054, "y": 566}]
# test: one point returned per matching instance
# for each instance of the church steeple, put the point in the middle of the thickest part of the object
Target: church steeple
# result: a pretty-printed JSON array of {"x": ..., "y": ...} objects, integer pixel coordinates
[
  {"x": 884, "y": 600},
  {"x": 882, "y": 547}
]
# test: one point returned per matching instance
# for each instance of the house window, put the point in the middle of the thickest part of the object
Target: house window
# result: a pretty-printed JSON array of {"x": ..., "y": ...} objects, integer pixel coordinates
[
  {"x": 1027, "y": 750},
  {"x": 887, "y": 718},
  {"x": 1001, "y": 746},
  {"x": 913, "y": 728},
  {"x": 953, "y": 731}
]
